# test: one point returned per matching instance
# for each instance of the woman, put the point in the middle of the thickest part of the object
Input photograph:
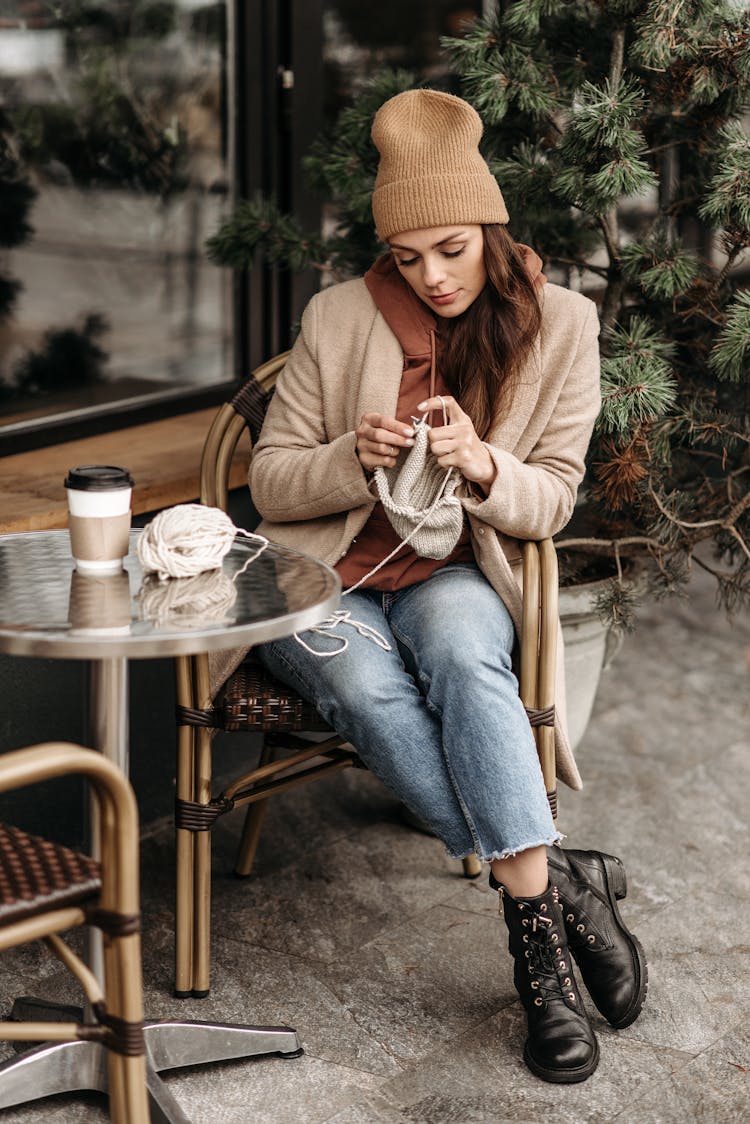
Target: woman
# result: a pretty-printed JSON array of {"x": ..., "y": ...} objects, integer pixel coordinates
[{"x": 419, "y": 679}]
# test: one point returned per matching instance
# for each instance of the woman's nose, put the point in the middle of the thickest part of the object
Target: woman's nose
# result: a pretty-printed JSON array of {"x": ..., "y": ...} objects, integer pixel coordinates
[{"x": 434, "y": 272}]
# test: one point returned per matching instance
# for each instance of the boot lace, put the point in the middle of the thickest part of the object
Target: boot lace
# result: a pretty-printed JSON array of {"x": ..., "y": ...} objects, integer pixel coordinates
[{"x": 546, "y": 962}]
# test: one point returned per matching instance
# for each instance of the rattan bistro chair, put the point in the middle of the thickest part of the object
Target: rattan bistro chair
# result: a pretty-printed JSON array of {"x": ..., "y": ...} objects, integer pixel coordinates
[
  {"x": 252, "y": 701},
  {"x": 46, "y": 889}
]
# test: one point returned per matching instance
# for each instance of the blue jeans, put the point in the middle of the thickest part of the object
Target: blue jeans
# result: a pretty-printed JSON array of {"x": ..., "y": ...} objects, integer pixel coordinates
[{"x": 437, "y": 717}]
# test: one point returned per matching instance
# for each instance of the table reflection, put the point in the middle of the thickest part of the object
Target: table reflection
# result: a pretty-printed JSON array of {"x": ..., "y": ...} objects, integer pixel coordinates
[
  {"x": 188, "y": 602},
  {"x": 99, "y": 603}
]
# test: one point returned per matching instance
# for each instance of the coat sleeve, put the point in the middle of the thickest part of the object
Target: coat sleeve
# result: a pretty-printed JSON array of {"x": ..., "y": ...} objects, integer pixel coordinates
[
  {"x": 534, "y": 498},
  {"x": 299, "y": 470}
]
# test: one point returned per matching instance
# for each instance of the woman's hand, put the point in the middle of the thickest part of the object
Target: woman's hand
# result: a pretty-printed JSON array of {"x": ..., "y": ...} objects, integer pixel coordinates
[
  {"x": 456, "y": 445},
  {"x": 380, "y": 439}
]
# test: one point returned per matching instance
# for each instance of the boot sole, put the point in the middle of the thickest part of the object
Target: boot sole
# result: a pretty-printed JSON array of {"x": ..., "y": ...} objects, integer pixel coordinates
[
  {"x": 562, "y": 1076},
  {"x": 617, "y": 889}
]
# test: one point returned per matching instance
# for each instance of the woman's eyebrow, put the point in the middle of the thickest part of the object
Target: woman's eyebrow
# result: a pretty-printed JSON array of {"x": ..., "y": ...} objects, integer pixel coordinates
[{"x": 451, "y": 238}]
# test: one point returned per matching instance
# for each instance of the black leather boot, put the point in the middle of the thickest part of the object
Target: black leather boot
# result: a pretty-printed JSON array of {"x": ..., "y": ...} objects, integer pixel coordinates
[
  {"x": 561, "y": 1044},
  {"x": 611, "y": 959}
]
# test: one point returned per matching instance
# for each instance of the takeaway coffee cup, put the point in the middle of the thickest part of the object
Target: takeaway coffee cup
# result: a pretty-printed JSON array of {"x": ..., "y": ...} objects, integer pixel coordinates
[{"x": 99, "y": 516}]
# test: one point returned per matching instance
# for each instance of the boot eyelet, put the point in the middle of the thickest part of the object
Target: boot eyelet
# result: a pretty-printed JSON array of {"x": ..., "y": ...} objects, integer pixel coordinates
[
  {"x": 569, "y": 917},
  {"x": 553, "y": 936},
  {"x": 525, "y": 921},
  {"x": 591, "y": 938},
  {"x": 543, "y": 907},
  {"x": 567, "y": 982},
  {"x": 535, "y": 984},
  {"x": 558, "y": 952},
  {"x": 538, "y": 1001},
  {"x": 571, "y": 995},
  {"x": 580, "y": 928},
  {"x": 525, "y": 938},
  {"x": 563, "y": 966},
  {"x": 527, "y": 953}
]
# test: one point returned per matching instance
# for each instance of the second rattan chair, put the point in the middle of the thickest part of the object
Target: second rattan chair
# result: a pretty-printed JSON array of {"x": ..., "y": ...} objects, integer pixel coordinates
[
  {"x": 252, "y": 701},
  {"x": 46, "y": 889}
]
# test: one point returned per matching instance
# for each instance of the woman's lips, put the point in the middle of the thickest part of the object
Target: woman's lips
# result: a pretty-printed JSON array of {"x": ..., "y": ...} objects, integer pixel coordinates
[{"x": 445, "y": 298}]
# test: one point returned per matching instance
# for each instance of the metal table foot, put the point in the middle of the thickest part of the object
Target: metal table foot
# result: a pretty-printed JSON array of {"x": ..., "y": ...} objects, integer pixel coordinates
[
  {"x": 59, "y": 1067},
  {"x": 67, "y": 1067},
  {"x": 170, "y": 1045}
]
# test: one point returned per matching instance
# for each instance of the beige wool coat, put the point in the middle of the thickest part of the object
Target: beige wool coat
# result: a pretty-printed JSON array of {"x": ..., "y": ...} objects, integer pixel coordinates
[{"x": 309, "y": 486}]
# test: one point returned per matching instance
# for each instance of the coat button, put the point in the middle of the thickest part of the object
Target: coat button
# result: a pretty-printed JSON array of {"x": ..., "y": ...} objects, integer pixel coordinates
[{"x": 480, "y": 531}]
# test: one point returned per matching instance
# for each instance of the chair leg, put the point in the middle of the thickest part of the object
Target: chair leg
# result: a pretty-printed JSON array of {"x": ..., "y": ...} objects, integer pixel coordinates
[
  {"x": 472, "y": 866},
  {"x": 202, "y": 878},
  {"x": 254, "y": 820},
  {"x": 128, "y": 1096},
  {"x": 184, "y": 909},
  {"x": 202, "y": 781},
  {"x": 184, "y": 840}
]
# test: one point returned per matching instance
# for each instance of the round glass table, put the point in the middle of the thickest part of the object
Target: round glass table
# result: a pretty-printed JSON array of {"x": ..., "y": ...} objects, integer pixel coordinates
[{"x": 49, "y": 609}]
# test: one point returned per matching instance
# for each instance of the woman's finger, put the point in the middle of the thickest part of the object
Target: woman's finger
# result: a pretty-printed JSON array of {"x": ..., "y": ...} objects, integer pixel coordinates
[
  {"x": 380, "y": 439},
  {"x": 385, "y": 440},
  {"x": 452, "y": 408},
  {"x": 379, "y": 427}
]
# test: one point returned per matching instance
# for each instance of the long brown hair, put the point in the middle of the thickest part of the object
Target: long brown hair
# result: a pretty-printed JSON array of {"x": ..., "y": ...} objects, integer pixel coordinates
[{"x": 484, "y": 349}]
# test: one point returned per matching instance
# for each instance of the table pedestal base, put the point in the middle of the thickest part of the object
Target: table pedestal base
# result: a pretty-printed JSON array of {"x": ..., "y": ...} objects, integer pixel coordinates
[{"x": 67, "y": 1067}]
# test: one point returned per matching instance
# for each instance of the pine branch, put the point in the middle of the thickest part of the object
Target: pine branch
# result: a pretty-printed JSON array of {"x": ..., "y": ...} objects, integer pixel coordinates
[
  {"x": 637, "y": 381},
  {"x": 730, "y": 358},
  {"x": 727, "y": 203},
  {"x": 609, "y": 546},
  {"x": 660, "y": 265}
]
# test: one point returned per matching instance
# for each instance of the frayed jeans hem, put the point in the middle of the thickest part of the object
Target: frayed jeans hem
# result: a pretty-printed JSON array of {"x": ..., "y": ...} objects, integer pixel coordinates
[{"x": 509, "y": 852}]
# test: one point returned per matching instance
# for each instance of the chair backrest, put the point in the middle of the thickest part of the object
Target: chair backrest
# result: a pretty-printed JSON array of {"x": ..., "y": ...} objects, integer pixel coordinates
[{"x": 246, "y": 409}]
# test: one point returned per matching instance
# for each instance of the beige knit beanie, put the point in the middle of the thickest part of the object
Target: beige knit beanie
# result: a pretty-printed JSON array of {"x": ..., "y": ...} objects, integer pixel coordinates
[{"x": 431, "y": 172}]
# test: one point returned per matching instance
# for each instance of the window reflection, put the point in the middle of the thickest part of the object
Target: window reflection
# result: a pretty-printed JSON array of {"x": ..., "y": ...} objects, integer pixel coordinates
[
  {"x": 113, "y": 171},
  {"x": 360, "y": 40}
]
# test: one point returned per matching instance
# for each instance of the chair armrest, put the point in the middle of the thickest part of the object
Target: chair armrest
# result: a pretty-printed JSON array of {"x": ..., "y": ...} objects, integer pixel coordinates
[{"x": 118, "y": 812}]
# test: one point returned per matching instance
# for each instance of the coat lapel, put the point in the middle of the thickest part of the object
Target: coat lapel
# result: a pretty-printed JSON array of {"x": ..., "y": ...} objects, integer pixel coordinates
[{"x": 384, "y": 363}]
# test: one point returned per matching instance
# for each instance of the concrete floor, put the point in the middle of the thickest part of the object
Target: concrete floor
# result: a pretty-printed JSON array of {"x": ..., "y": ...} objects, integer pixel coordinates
[{"x": 360, "y": 933}]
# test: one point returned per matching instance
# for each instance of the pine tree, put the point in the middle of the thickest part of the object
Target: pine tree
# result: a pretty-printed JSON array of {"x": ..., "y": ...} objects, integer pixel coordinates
[{"x": 616, "y": 132}]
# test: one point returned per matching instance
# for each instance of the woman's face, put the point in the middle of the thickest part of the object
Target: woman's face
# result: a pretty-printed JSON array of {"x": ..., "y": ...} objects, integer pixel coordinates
[{"x": 443, "y": 264}]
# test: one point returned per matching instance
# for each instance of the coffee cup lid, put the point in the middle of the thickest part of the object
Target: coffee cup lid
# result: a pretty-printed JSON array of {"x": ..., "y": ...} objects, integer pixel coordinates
[{"x": 98, "y": 478}]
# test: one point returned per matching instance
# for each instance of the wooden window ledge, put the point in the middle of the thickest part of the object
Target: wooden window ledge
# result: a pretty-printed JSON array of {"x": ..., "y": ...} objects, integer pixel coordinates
[{"x": 162, "y": 456}]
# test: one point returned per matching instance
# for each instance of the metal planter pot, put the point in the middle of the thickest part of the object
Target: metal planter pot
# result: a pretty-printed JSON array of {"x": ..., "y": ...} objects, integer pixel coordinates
[{"x": 590, "y": 647}]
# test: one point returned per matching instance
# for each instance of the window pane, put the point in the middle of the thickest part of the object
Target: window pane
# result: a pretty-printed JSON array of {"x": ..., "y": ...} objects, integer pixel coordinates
[
  {"x": 361, "y": 39},
  {"x": 113, "y": 172}
]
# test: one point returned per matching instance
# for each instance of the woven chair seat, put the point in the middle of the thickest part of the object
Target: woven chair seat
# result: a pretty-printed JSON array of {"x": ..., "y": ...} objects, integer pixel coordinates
[
  {"x": 36, "y": 876},
  {"x": 254, "y": 700}
]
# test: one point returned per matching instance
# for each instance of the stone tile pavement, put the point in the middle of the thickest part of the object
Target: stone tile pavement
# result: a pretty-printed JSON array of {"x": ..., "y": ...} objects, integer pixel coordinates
[{"x": 359, "y": 932}]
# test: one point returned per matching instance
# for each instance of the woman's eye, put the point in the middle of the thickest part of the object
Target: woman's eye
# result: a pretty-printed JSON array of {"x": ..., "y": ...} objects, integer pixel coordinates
[
  {"x": 406, "y": 261},
  {"x": 453, "y": 253}
]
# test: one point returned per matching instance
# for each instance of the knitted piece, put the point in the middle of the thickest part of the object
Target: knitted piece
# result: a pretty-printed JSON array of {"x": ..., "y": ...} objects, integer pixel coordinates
[{"x": 419, "y": 498}]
